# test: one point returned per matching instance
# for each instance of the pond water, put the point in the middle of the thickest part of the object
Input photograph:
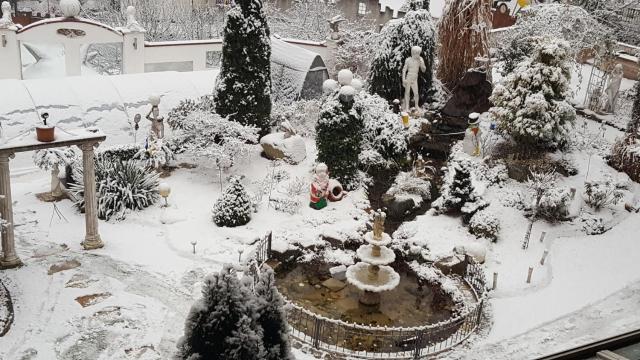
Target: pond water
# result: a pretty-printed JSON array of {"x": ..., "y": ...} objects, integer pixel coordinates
[{"x": 407, "y": 305}]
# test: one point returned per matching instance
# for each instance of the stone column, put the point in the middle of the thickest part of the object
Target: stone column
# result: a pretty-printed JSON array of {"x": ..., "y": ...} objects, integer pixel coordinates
[
  {"x": 9, "y": 257},
  {"x": 92, "y": 238},
  {"x": 10, "y": 60}
]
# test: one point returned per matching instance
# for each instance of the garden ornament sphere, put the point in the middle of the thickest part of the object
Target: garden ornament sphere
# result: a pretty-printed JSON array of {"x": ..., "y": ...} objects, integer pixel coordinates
[
  {"x": 70, "y": 8},
  {"x": 347, "y": 93},
  {"x": 329, "y": 86},
  {"x": 345, "y": 77},
  {"x": 165, "y": 190},
  {"x": 357, "y": 84},
  {"x": 154, "y": 99}
]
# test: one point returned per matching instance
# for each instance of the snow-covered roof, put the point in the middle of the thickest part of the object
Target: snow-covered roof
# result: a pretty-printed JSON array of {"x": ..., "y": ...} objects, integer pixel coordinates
[
  {"x": 109, "y": 102},
  {"x": 292, "y": 56}
]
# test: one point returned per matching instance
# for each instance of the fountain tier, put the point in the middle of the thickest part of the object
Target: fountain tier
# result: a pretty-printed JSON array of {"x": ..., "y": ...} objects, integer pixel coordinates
[
  {"x": 360, "y": 276},
  {"x": 376, "y": 255}
]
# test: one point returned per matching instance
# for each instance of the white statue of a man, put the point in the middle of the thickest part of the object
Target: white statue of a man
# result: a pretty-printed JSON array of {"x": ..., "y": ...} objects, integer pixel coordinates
[
  {"x": 132, "y": 23},
  {"x": 157, "y": 123},
  {"x": 613, "y": 89},
  {"x": 410, "y": 73}
]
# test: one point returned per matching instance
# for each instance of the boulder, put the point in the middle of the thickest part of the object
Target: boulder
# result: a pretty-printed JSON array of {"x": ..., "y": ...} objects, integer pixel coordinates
[
  {"x": 339, "y": 272},
  {"x": 455, "y": 264},
  {"x": 470, "y": 95},
  {"x": 398, "y": 207},
  {"x": 476, "y": 249},
  {"x": 333, "y": 284},
  {"x": 281, "y": 145}
]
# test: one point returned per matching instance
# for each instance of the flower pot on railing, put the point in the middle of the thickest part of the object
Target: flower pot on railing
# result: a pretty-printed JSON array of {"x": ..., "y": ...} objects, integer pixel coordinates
[{"x": 45, "y": 132}]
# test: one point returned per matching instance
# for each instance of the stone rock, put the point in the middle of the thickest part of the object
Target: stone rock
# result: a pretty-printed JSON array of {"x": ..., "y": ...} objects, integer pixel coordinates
[
  {"x": 89, "y": 300},
  {"x": 398, "y": 207},
  {"x": 454, "y": 264},
  {"x": 476, "y": 249},
  {"x": 278, "y": 146},
  {"x": 333, "y": 284},
  {"x": 470, "y": 95},
  {"x": 66, "y": 265},
  {"x": 339, "y": 272}
]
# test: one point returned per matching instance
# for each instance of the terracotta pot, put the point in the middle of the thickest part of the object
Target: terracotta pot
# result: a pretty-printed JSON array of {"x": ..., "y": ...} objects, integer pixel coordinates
[{"x": 45, "y": 134}]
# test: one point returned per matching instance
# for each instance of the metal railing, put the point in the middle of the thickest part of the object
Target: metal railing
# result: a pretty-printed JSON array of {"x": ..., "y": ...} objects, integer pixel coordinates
[{"x": 375, "y": 342}]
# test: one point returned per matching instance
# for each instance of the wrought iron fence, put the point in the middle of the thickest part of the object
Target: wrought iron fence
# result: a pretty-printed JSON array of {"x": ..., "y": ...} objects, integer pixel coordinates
[{"x": 374, "y": 342}]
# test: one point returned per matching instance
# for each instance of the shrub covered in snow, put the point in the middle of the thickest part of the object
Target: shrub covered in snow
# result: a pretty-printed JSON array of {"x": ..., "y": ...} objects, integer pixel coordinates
[
  {"x": 339, "y": 139},
  {"x": 243, "y": 88},
  {"x": 120, "y": 186},
  {"x": 456, "y": 190},
  {"x": 178, "y": 115},
  {"x": 485, "y": 224},
  {"x": 234, "y": 207},
  {"x": 625, "y": 154},
  {"x": 236, "y": 321},
  {"x": 301, "y": 114},
  {"x": 531, "y": 104},
  {"x": 49, "y": 159},
  {"x": 517, "y": 50},
  {"x": 123, "y": 152},
  {"x": 155, "y": 154},
  {"x": 554, "y": 204},
  {"x": 355, "y": 52},
  {"x": 384, "y": 142},
  {"x": 603, "y": 192},
  {"x": 406, "y": 184},
  {"x": 396, "y": 39}
]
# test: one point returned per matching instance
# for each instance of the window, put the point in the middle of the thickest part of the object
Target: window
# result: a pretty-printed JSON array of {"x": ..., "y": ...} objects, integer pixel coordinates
[{"x": 362, "y": 8}]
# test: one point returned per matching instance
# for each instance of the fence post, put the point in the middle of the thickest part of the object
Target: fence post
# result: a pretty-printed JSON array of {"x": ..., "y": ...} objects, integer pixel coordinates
[
  {"x": 418, "y": 345},
  {"x": 316, "y": 333},
  {"x": 479, "y": 312},
  {"x": 269, "y": 238}
]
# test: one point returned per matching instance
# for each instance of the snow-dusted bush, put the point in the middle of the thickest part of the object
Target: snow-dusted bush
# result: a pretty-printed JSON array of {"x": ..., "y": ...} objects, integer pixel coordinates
[
  {"x": 355, "y": 51},
  {"x": 339, "y": 139},
  {"x": 272, "y": 318},
  {"x": 178, "y": 115},
  {"x": 457, "y": 189},
  {"x": 517, "y": 50},
  {"x": 396, "y": 39},
  {"x": 406, "y": 184},
  {"x": 120, "y": 186},
  {"x": 496, "y": 173},
  {"x": 123, "y": 152},
  {"x": 554, "y": 204},
  {"x": 155, "y": 154},
  {"x": 593, "y": 225},
  {"x": 301, "y": 114},
  {"x": 531, "y": 104},
  {"x": 243, "y": 87},
  {"x": 49, "y": 159},
  {"x": 485, "y": 224},
  {"x": 384, "y": 142},
  {"x": 234, "y": 207},
  {"x": 603, "y": 192}
]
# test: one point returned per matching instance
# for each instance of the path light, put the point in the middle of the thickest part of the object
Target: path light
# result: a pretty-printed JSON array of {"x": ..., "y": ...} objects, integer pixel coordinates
[
  {"x": 193, "y": 243},
  {"x": 164, "y": 189},
  {"x": 240, "y": 251}
]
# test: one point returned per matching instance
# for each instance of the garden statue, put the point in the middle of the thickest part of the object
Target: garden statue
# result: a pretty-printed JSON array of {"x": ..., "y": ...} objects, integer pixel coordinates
[
  {"x": 419, "y": 166},
  {"x": 157, "y": 121},
  {"x": 132, "y": 23},
  {"x": 5, "y": 21},
  {"x": 70, "y": 8},
  {"x": 613, "y": 89},
  {"x": 334, "y": 23},
  {"x": 410, "y": 73},
  {"x": 320, "y": 187},
  {"x": 471, "y": 142},
  {"x": 378, "y": 224}
]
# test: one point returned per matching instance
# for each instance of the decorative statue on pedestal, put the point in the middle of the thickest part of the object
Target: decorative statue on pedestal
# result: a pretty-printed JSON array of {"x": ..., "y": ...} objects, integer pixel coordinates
[
  {"x": 410, "y": 73},
  {"x": 132, "y": 23},
  {"x": 379, "y": 218},
  {"x": 5, "y": 21},
  {"x": 157, "y": 121},
  {"x": 613, "y": 89},
  {"x": 471, "y": 142},
  {"x": 320, "y": 187}
]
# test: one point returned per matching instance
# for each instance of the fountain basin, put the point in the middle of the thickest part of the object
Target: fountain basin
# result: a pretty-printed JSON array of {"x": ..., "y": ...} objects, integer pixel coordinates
[
  {"x": 366, "y": 253},
  {"x": 358, "y": 275},
  {"x": 385, "y": 239}
]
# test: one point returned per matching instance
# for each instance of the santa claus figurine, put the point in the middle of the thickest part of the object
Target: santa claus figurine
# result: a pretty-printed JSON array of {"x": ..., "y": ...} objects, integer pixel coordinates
[{"x": 320, "y": 187}]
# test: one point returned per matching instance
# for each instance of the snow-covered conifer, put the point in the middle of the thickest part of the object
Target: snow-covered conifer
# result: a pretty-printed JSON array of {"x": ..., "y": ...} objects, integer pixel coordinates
[
  {"x": 485, "y": 224},
  {"x": 272, "y": 318},
  {"x": 459, "y": 191},
  {"x": 243, "y": 88},
  {"x": 531, "y": 104},
  {"x": 338, "y": 139},
  {"x": 233, "y": 208},
  {"x": 396, "y": 39},
  {"x": 221, "y": 325},
  {"x": 52, "y": 160}
]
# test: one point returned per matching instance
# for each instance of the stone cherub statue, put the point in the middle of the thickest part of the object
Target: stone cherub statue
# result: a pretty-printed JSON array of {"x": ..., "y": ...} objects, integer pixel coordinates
[
  {"x": 379, "y": 218},
  {"x": 157, "y": 121},
  {"x": 334, "y": 23},
  {"x": 5, "y": 21},
  {"x": 410, "y": 73},
  {"x": 613, "y": 89},
  {"x": 132, "y": 23}
]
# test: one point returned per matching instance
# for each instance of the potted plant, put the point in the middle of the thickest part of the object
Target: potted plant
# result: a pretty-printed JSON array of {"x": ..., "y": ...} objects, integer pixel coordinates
[{"x": 45, "y": 132}]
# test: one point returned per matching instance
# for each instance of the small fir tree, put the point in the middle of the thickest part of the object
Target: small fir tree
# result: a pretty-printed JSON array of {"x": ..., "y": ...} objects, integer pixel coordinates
[
  {"x": 339, "y": 137},
  {"x": 461, "y": 189},
  {"x": 243, "y": 88},
  {"x": 233, "y": 208},
  {"x": 531, "y": 105},
  {"x": 396, "y": 39},
  {"x": 272, "y": 318},
  {"x": 221, "y": 324}
]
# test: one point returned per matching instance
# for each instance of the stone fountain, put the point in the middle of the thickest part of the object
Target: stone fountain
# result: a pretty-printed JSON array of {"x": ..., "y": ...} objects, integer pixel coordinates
[{"x": 373, "y": 275}]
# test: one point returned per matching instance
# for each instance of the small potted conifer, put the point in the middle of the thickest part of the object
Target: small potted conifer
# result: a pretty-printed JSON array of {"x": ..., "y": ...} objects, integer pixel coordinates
[{"x": 45, "y": 132}]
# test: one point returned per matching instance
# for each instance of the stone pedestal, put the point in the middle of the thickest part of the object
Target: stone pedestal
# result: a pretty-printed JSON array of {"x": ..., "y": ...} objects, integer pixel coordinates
[
  {"x": 9, "y": 257},
  {"x": 369, "y": 298},
  {"x": 92, "y": 238}
]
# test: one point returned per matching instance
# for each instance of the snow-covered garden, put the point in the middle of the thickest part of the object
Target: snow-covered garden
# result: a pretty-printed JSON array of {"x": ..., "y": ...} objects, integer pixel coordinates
[{"x": 450, "y": 193}]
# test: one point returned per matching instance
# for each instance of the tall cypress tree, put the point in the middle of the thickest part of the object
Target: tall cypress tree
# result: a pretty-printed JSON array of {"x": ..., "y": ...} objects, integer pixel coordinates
[
  {"x": 397, "y": 37},
  {"x": 243, "y": 88},
  {"x": 272, "y": 318},
  {"x": 634, "y": 123},
  {"x": 338, "y": 138}
]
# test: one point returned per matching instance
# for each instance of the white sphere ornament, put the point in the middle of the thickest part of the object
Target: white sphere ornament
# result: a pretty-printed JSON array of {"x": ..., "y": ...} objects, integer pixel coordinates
[
  {"x": 165, "y": 190},
  {"x": 345, "y": 77},
  {"x": 70, "y": 8},
  {"x": 347, "y": 93},
  {"x": 357, "y": 84},
  {"x": 329, "y": 86},
  {"x": 154, "y": 99}
]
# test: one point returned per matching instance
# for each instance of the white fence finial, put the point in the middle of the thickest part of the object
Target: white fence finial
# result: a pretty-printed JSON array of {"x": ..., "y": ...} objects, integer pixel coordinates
[
  {"x": 70, "y": 8},
  {"x": 132, "y": 23}
]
